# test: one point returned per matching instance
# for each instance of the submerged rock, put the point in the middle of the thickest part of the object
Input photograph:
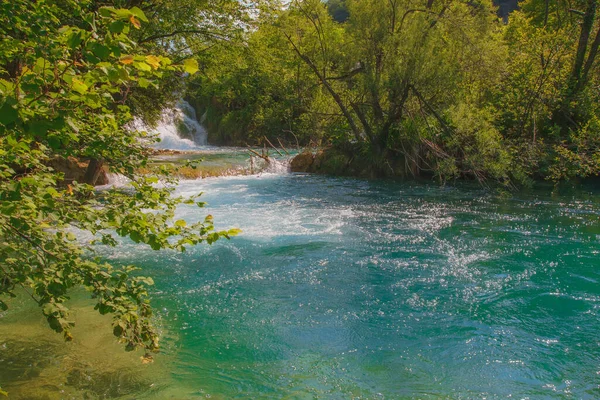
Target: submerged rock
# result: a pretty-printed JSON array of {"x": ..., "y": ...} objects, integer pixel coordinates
[{"x": 37, "y": 364}]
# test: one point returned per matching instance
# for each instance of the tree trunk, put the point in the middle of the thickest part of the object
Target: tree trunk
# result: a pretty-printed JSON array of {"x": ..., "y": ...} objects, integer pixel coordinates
[
  {"x": 93, "y": 171},
  {"x": 394, "y": 115},
  {"x": 363, "y": 120},
  {"x": 564, "y": 116},
  {"x": 584, "y": 37},
  {"x": 330, "y": 89},
  {"x": 591, "y": 59}
]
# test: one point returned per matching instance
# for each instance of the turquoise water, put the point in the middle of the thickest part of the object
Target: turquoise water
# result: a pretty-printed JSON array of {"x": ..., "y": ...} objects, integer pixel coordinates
[{"x": 342, "y": 288}]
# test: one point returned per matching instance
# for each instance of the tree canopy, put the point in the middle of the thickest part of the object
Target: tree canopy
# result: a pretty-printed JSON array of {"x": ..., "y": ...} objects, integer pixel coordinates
[{"x": 444, "y": 88}]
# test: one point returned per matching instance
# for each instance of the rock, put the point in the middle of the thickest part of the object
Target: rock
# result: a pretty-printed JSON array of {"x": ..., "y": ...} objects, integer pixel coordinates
[
  {"x": 331, "y": 162},
  {"x": 302, "y": 162},
  {"x": 318, "y": 161},
  {"x": 166, "y": 152}
]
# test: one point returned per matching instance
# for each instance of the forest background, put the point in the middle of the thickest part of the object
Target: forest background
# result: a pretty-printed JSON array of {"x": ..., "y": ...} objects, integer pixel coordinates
[{"x": 444, "y": 89}]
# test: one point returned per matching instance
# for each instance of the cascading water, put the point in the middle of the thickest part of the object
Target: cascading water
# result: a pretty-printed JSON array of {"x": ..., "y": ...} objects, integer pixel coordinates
[
  {"x": 191, "y": 126},
  {"x": 178, "y": 129}
]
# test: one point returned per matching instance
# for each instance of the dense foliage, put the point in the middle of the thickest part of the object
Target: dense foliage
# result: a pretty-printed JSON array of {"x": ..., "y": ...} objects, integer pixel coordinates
[
  {"x": 442, "y": 88},
  {"x": 68, "y": 71}
]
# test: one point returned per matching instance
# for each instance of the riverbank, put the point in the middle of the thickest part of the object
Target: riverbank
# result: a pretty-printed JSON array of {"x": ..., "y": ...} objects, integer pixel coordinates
[
  {"x": 199, "y": 163},
  {"x": 338, "y": 162},
  {"x": 350, "y": 161}
]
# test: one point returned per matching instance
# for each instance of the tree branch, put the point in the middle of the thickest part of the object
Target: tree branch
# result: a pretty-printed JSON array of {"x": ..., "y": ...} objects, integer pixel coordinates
[
  {"x": 183, "y": 32},
  {"x": 414, "y": 10},
  {"x": 591, "y": 57},
  {"x": 325, "y": 83}
]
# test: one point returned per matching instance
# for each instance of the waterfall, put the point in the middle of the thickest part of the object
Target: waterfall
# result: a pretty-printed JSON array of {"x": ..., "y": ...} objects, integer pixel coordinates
[{"x": 178, "y": 129}]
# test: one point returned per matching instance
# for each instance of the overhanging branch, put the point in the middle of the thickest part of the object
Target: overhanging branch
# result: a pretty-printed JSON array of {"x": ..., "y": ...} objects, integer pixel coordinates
[{"x": 204, "y": 32}]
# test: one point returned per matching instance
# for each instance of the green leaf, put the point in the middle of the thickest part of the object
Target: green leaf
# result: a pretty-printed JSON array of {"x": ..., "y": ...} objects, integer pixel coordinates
[
  {"x": 144, "y": 83},
  {"x": 100, "y": 51},
  {"x": 54, "y": 142},
  {"x": 92, "y": 100},
  {"x": 6, "y": 86},
  {"x": 8, "y": 114},
  {"x": 116, "y": 26},
  {"x": 148, "y": 281},
  {"x": 190, "y": 66},
  {"x": 106, "y": 11},
  {"x": 136, "y": 236},
  {"x": 79, "y": 86},
  {"x": 118, "y": 330},
  {"x": 138, "y": 13},
  {"x": 75, "y": 39},
  {"x": 122, "y": 13},
  {"x": 39, "y": 127},
  {"x": 142, "y": 66},
  {"x": 113, "y": 75}
]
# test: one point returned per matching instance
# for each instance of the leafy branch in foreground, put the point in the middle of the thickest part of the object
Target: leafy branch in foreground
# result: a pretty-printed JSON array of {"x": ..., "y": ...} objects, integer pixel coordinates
[{"x": 66, "y": 70}]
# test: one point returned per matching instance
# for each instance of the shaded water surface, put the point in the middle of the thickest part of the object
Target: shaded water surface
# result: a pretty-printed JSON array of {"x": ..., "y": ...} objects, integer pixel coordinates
[{"x": 342, "y": 288}]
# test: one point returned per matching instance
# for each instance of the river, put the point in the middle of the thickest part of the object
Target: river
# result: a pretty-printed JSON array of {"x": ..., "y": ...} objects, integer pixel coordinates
[
  {"x": 343, "y": 288},
  {"x": 346, "y": 288}
]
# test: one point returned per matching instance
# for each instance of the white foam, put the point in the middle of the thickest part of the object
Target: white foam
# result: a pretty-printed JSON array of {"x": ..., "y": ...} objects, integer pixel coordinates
[
  {"x": 115, "y": 180},
  {"x": 277, "y": 167}
]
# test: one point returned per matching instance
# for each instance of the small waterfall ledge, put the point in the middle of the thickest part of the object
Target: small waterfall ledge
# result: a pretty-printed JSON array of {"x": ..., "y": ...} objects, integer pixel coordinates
[{"x": 178, "y": 129}]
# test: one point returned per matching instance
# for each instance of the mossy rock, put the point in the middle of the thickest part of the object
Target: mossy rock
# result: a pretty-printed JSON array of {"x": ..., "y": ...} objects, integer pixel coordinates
[
  {"x": 331, "y": 162},
  {"x": 183, "y": 130},
  {"x": 348, "y": 162},
  {"x": 302, "y": 162}
]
